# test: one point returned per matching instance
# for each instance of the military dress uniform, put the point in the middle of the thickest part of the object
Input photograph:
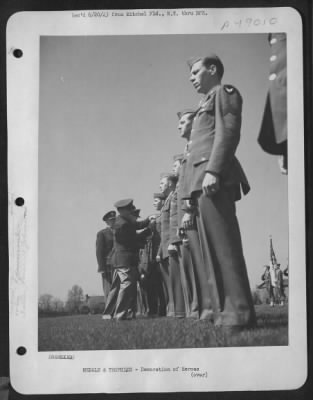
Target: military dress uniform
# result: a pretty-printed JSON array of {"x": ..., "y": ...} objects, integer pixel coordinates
[
  {"x": 214, "y": 138},
  {"x": 273, "y": 132},
  {"x": 200, "y": 301},
  {"x": 175, "y": 274},
  {"x": 150, "y": 275},
  {"x": 123, "y": 294},
  {"x": 164, "y": 256},
  {"x": 169, "y": 264},
  {"x": 104, "y": 246},
  {"x": 186, "y": 263}
]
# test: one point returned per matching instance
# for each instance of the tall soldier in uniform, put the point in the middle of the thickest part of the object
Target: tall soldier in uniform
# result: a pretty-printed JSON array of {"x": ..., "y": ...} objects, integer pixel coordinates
[
  {"x": 214, "y": 180},
  {"x": 104, "y": 246},
  {"x": 168, "y": 250},
  {"x": 192, "y": 259},
  {"x": 149, "y": 268},
  {"x": 185, "y": 261},
  {"x": 273, "y": 133}
]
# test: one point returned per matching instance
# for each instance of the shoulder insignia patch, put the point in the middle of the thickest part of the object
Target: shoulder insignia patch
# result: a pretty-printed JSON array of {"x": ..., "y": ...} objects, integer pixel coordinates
[{"x": 229, "y": 89}]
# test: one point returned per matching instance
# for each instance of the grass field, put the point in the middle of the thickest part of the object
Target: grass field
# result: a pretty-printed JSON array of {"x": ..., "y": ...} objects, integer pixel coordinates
[{"x": 90, "y": 332}]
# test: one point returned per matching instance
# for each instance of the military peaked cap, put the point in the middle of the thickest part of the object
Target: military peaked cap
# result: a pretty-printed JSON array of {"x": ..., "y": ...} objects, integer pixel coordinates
[
  {"x": 206, "y": 59},
  {"x": 109, "y": 215},
  {"x": 185, "y": 111},
  {"x": 124, "y": 203},
  {"x": 159, "y": 196}
]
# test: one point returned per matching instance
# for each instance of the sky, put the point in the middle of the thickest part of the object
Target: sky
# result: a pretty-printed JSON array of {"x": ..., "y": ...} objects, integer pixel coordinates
[{"x": 108, "y": 128}]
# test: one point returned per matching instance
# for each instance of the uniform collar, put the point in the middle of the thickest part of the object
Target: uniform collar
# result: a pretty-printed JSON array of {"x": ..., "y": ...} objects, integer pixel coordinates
[{"x": 209, "y": 94}]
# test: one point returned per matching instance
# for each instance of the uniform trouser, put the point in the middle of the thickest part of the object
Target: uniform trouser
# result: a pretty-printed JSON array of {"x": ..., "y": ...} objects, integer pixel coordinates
[
  {"x": 124, "y": 290},
  {"x": 270, "y": 291},
  {"x": 153, "y": 293},
  {"x": 169, "y": 299},
  {"x": 112, "y": 297},
  {"x": 189, "y": 282},
  {"x": 176, "y": 287},
  {"x": 106, "y": 284},
  {"x": 142, "y": 305},
  {"x": 223, "y": 258},
  {"x": 279, "y": 293},
  {"x": 200, "y": 274}
]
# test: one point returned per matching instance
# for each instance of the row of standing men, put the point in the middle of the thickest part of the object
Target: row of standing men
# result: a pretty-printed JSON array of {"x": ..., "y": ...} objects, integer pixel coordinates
[{"x": 200, "y": 256}]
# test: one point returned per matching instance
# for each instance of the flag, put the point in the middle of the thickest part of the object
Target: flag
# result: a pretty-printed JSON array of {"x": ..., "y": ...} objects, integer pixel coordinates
[
  {"x": 272, "y": 253},
  {"x": 273, "y": 263}
]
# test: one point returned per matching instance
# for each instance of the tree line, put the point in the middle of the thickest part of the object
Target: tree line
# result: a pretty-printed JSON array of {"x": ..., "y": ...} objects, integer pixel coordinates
[{"x": 49, "y": 305}]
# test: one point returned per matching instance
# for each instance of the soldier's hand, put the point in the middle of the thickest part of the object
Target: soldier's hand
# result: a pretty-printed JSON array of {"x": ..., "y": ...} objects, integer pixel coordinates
[
  {"x": 152, "y": 218},
  {"x": 187, "y": 221},
  {"x": 186, "y": 242},
  {"x": 210, "y": 184},
  {"x": 172, "y": 249},
  {"x": 158, "y": 259},
  {"x": 282, "y": 165}
]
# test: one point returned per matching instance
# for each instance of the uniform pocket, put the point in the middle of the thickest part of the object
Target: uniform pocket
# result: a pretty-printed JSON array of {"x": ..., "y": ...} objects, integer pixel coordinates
[{"x": 201, "y": 158}]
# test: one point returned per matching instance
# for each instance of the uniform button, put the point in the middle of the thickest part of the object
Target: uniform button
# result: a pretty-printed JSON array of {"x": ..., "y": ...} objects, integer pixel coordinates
[
  {"x": 272, "y": 77},
  {"x": 203, "y": 159},
  {"x": 190, "y": 141},
  {"x": 273, "y": 58},
  {"x": 273, "y": 41},
  {"x": 187, "y": 154}
]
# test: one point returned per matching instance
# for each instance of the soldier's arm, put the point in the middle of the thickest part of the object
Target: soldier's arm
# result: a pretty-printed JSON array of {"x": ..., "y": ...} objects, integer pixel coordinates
[
  {"x": 101, "y": 250},
  {"x": 125, "y": 235},
  {"x": 174, "y": 238},
  {"x": 142, "y": 224},
  {"x": 227, "y": 129}
]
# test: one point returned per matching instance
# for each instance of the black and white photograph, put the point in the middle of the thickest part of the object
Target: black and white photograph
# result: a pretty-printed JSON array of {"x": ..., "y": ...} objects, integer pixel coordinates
[{"x": 165, "y": 199}]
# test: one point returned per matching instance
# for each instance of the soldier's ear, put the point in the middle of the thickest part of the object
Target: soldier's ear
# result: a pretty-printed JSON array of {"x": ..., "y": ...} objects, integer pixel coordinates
[{"x": 212, "y": 69}]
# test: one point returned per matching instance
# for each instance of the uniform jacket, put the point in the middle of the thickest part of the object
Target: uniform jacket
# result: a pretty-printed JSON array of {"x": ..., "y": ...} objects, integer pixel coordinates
[
  {"x": 104, "y": 246},
  {"x": 150, "y": 250},
  {"x": 273, "y": 131},
  {"x": 127, "y": 242},
  {"x": 213, "y": 142},
  {"x": 174, "y": 222},
  {"x": 165, "y": 227}
]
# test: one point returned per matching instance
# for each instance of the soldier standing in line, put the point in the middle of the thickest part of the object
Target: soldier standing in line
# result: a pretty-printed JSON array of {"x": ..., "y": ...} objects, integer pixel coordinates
[
  {"x": 213, "y": 180},
  {"x": 104, "y": 246},
  {"x": 201, "y": 304},
  {"x": 185, "y": 261},
  {"x": 149, "y": 268},
  {"x": 273, "y": 133},
  {"x": 168, "y": 251}
]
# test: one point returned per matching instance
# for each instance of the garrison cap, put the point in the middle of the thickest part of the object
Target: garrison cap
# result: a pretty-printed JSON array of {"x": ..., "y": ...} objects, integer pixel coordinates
[
  {"x": 178, "y": 157},
  {"x": 159, "y": 196},
  {"x": 124, "y": 203},
  {"x": 206, "y": 59},
  {"x": 109, "y": 215},
  {"x": 164, "y": 175},
  {"x": 170, "y": 176},
  {"x": 185, "y": 111}
]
